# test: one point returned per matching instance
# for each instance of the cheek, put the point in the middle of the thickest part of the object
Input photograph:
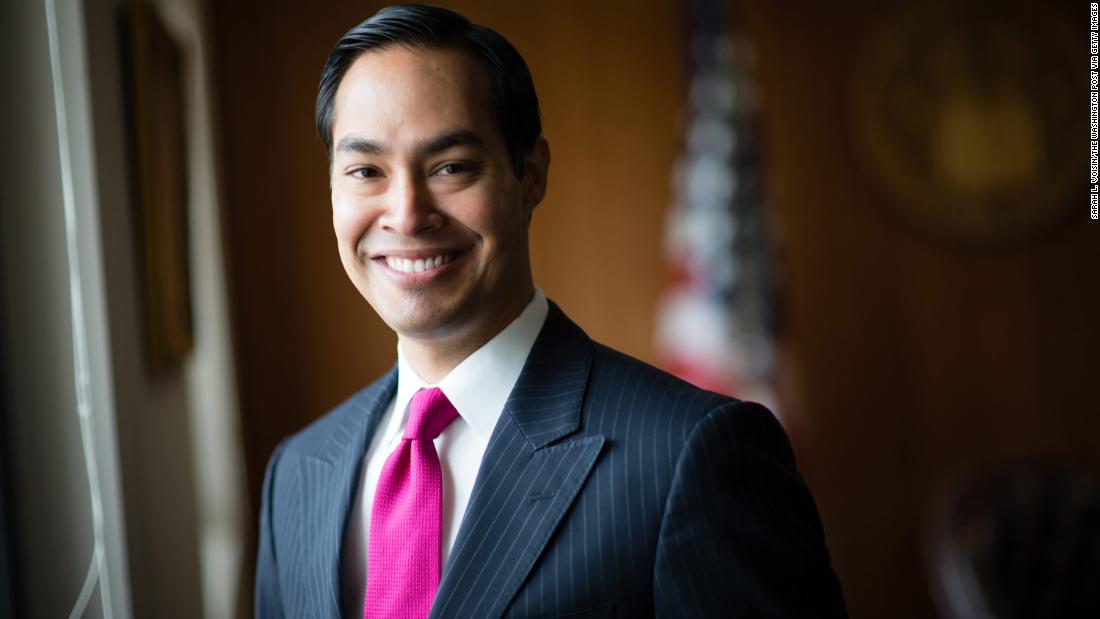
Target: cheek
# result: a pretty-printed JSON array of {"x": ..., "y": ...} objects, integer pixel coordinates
[
  {"x": 350, "y": 219},
  {"x": 498, "y": 219},
  {"x": 509, "y": 225}
]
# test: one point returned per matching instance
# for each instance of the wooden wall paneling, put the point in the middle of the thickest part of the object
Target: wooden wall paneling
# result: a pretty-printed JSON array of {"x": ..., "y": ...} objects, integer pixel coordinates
[{"x": 921, "y": 359}]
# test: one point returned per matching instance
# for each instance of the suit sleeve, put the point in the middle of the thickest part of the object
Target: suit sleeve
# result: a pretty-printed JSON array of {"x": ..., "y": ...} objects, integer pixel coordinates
[
  {"x": 268, "y": 598},
  {"x": 741, "y": 536}
]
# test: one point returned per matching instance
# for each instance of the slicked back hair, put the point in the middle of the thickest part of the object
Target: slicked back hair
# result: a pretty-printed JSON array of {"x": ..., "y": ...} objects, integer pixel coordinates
[{"x": 515, "y": 103}]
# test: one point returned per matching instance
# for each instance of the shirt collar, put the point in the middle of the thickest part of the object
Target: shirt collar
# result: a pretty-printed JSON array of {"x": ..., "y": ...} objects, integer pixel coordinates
[{"x": 479, "y": 386}]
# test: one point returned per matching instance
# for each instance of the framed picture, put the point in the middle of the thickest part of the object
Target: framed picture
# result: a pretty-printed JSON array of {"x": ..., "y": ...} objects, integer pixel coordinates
[{"x": 160, "y": 179}]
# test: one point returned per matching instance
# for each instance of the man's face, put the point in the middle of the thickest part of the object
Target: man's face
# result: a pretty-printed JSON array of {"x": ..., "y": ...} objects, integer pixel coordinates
[{"x": 430, "y": 219}]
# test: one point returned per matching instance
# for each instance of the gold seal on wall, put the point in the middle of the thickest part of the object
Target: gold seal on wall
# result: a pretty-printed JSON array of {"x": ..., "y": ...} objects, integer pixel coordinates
[{"x": 964, "y": 114}]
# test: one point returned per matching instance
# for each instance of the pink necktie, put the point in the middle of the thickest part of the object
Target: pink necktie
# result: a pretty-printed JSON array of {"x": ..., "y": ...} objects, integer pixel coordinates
[{"x": 404, "y": 558}]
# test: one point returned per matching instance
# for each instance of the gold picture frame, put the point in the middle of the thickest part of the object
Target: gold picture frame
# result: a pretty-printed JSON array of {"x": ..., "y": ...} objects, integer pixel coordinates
[{"x": 159, "y": 169}]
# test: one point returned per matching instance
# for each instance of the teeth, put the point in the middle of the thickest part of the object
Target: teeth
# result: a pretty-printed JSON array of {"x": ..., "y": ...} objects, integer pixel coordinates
[{"x": 419, "y": 265}]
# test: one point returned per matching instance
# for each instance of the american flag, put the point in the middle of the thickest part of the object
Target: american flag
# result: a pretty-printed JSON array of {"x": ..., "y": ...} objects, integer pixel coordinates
[{"x": 715, "y": 320}]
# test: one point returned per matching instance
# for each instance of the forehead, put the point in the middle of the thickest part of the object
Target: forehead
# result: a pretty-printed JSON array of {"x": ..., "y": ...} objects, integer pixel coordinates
[{"x": 399, "y": 91}]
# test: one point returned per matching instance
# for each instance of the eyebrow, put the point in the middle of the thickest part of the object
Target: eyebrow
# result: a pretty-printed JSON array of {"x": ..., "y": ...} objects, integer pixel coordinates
[
  {"x": 450, "y": 140},
  {"x": 360, "y": 145},
  {"x": 438, "y": 144}
]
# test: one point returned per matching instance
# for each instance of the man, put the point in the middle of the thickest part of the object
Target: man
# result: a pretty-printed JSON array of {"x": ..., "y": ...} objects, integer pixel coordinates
[{"x": 508, "y": 465}]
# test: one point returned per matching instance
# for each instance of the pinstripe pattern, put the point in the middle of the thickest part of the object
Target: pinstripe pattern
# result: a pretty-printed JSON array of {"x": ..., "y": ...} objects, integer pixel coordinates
[
  {"x": 307, "y": 494},
  {"x": 608, "y": 488}
]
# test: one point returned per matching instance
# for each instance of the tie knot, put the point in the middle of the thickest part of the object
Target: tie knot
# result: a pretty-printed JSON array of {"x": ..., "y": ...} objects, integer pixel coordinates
[{"x": 430, "y": 412}]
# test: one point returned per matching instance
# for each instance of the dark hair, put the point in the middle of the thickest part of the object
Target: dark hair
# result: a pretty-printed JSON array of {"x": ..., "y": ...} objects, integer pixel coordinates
[{"x": 412, "y": 25}]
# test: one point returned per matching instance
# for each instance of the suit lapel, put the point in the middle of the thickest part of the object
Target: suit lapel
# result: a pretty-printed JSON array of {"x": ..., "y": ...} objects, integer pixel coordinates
[
  {"x": 326, "y": 482},
  {"x": 525, "y": 484}
]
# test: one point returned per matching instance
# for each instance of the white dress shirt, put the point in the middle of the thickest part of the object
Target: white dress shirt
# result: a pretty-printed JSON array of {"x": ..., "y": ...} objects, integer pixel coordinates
[{"x": 478, "y": 388}]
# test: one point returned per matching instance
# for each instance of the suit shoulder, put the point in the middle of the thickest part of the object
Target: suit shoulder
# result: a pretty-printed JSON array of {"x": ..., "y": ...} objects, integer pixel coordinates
[
  {"x": 650, "y": 390},
  {"x": 312, "y": 438},
  {"x": 638, "y": 406}
]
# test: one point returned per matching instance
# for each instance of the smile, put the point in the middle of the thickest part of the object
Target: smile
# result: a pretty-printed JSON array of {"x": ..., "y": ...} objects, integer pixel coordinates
[{"x": 405, "y": 265}]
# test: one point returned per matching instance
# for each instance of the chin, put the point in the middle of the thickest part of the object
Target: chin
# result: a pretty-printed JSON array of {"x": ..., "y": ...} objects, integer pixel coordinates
[{"x": 422, "y": 318}]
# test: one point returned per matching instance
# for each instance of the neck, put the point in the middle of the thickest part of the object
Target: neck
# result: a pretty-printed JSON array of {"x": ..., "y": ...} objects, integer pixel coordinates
[{"x": 434, "y": 358}]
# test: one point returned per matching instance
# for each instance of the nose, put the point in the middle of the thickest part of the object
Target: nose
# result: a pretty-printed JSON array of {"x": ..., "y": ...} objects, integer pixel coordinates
[{"x": 410, "y": 207}]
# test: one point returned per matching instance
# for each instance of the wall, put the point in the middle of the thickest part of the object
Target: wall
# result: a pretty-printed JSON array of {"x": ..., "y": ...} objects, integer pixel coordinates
[
  {"x": 178, "y": 431},
  {"x": 921, "y": 357},
  {"x": 122, "y": 489}
]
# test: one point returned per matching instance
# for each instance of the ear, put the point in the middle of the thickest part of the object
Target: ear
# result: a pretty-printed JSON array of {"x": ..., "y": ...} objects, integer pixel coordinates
[{"x": 536, "y": 166}]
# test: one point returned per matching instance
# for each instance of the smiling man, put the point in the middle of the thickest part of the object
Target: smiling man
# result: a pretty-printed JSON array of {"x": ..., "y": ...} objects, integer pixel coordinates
[{"x": 507, "y": 465}]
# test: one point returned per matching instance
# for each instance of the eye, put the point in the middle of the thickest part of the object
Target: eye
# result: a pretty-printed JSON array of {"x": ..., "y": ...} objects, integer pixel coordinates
[
  {"x": 365, "y": 172},
  {"x": 450, "y": 169}
]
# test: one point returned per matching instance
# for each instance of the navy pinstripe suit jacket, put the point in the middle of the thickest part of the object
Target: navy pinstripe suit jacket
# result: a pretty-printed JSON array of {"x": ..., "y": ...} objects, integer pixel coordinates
[{"x": 608, "y": 488}]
